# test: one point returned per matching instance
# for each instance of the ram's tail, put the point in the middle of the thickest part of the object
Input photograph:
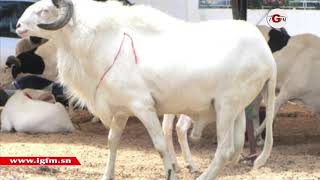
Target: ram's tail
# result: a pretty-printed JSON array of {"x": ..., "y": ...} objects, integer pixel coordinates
[{"x": 269, "y": 98}]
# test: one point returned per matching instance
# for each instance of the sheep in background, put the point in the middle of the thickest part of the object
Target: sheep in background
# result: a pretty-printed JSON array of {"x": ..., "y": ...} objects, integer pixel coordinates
[
  {"x": 3, "y": 97},
  {"x": 24, "y": 49},
  {"x": 28, "y": 69},
  {"x": 5, "y": 77},
  {"x": 27, "y": 61},
  {"x": 131, "y": 76},
  {"x": 34, "y": 111},
  {"x": 298, "y": 62},
  {"x": 34, "y": 67}
]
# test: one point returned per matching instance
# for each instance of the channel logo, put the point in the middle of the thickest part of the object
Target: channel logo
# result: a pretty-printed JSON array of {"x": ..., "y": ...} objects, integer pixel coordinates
[{"x": 277, "y": 18}]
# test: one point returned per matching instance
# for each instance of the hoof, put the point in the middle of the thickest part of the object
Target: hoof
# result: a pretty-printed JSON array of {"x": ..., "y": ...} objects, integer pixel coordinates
[
  {"x": 192, "y": 169},
  {"x": 176, "y": 167},
  {"x": 249, "y": 160},
  {"x": 260, "y": 142},
  {"x": 107, "y": 178},
  {"x": 258, "y": 163},
  {"x": 236, "y": 160}
]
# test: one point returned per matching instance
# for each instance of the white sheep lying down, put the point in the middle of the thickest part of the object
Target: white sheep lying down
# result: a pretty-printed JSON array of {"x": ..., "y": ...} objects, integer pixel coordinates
[
  {"x": 152, "y": 59},
  {"x": 34, "y": 111}
]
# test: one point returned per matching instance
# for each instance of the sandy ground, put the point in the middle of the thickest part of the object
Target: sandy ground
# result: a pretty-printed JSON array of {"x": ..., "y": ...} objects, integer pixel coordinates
[{"x": 296, "y": 153}]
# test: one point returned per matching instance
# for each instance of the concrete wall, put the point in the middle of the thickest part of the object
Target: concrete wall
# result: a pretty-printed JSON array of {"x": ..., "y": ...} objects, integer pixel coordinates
[
  {"x": 299, "y": 21},
  {"x": 177, "y": 8}
]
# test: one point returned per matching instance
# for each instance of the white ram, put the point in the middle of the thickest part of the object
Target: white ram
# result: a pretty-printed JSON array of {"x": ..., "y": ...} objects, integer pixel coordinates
[
  {"x": 296, "y": 57},
  {"x": 143, "y": 65}
]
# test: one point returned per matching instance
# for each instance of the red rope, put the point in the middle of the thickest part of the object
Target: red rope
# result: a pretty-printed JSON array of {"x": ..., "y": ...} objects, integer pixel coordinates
[
  {"x": 28, "y": 95},
  {"x": 136, "y": 59},
  {"x": 116, "y": 57}
]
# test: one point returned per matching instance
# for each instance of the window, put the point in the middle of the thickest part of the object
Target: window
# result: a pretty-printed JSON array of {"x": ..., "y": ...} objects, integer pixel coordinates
[
  {"x": 264, "y": 4},
  {"x": 10, "y": 12},
  {"x": 214, "y": 3}
]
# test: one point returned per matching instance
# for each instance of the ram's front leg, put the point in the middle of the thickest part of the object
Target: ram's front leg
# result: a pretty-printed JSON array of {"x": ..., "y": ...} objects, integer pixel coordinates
[
  {"x": 150, "y": 120},
  {"x": 116, "y": 128}
]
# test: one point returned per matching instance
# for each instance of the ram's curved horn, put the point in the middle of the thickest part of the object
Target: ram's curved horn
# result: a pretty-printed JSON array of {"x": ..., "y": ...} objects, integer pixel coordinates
[{"x": 65, "y": 14}]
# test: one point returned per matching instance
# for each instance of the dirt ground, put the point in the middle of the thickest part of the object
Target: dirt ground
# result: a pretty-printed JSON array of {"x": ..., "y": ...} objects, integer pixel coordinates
[{"x": 296, "y": 152}]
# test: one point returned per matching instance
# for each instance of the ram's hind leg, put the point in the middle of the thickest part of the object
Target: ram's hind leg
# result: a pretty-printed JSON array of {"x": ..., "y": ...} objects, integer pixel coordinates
[
  {"x": 150, "y": 120},
  {"x": 239, "y": 132},
  {"x": 182, "y": 128},
  {"x": 226, "y": 116},
  {"x": 202, "y": 121},
  {"x": 167, "y": 127}
]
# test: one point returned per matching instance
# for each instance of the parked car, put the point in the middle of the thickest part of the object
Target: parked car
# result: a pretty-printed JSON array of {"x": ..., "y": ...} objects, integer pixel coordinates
[{"x": 10, "y": 12}]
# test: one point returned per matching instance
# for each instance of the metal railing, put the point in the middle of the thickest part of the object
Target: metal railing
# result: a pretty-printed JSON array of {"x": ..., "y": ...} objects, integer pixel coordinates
[
  {"x": 304, "y": 4},
  {"x": 289, "y": 4}
]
